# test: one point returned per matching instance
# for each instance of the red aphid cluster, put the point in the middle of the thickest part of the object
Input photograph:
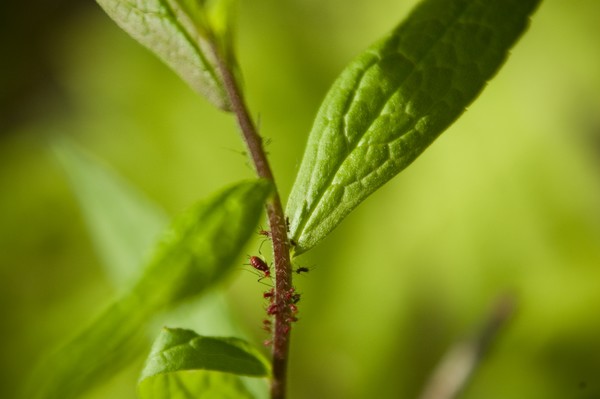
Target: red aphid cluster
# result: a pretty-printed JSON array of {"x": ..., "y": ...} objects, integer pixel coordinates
[{"x": 291, "y": 299}]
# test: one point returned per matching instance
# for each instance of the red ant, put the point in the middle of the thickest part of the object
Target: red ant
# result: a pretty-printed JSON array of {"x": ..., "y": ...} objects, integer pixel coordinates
[
  {"x": 261, "y": 266},
  {"x": 265, "y": 233}
]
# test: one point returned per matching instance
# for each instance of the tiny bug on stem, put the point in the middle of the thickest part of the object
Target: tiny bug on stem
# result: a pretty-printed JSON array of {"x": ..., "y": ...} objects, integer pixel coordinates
[
  {"x": 269, "y": 294},
  {"x": 261, "y": 266},
  {"x": 264, "y": 233},
  {"x": 272, "y": 309},
  {"x": 267, "y": 325},
  {"x": 295, "y": 298}
]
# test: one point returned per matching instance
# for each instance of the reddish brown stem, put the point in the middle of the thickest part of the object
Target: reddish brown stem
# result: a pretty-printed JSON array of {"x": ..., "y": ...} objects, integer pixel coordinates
[{"x": 277, "y": 222}]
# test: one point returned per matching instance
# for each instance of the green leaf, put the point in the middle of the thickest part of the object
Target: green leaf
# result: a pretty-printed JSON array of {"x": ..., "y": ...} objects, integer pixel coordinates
[
  {"x": 180, "y": 32},
  {"x": 195, "y": 253},
  {"x": 178, "y": 349},
  {"x": 197, "y": 384},
  {"x": 123, "y": 223},
  {"x": 182, "y": 364},
  {"x": 392, "y": 102}
]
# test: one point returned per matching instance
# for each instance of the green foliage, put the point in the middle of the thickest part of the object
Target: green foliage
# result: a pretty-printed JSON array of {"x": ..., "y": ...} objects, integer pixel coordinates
[
  {"x": 392, "y": 102},
  {"x": 180, "y": 32},
  {"x": 384, "y": 110},
  {"x": 184, "y": 364},
  {"x": 194, "y": 254},
  {"x": 123, "y": 223}
]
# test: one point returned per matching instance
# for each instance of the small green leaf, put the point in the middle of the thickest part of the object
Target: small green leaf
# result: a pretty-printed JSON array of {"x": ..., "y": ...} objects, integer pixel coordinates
[
  {"x": 177, "y": 349},
  {"x": 392, "y": 102},
  {"x": 194, "y": 254},
  {"x": 123, "y": 223},
  {"x": 182, "y": 364},
  {"x": 181, "y": 34}
]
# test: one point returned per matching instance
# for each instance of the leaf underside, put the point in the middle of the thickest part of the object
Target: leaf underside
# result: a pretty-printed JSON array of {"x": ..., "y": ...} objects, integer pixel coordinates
[
  {"x": 179, "y": 33},
  {"x": 392, "y": 102}
]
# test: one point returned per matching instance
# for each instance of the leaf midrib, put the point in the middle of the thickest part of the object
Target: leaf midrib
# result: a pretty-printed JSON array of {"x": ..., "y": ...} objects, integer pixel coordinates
[{"x": 192, "y": 42}]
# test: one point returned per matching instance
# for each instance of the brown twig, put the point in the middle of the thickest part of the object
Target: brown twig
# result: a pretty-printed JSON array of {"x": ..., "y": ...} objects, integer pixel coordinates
[{"x": 277, "y": 223}]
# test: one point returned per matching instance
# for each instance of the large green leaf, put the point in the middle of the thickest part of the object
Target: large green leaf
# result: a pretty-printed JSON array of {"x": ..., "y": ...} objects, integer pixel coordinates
[
  {"x": 195, "y": 253},
  {"x": 181, "y": 33},
  {"x": 392, "y": 102},
  {"x": 123, "y": 223}
]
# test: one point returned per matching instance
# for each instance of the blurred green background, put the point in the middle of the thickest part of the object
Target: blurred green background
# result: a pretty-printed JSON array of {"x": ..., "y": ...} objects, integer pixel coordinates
[{"x": 507, "y": 200}]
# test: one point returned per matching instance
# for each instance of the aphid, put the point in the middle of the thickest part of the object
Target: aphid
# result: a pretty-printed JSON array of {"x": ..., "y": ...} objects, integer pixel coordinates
[
  {"x": 291, "y": 319},
  {"x": 293, "y": 308},
  {"x": 290, "y": 294},
  {"x": 267, "y": 325},
  {"x": 295, "y": 298},
  {"x": 272, "y": 309},
  {"x": 269, "y": 294},
  {"x": 267, "y": 342},
  {"x": 261, "y": 266},
  {"x": 293, "y": 243},
  {"x": 287, "y": 224}
]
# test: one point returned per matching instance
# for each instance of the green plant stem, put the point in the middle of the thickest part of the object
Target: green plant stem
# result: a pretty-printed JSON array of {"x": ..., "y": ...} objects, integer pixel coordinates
[{"x": 278, "y": 226}]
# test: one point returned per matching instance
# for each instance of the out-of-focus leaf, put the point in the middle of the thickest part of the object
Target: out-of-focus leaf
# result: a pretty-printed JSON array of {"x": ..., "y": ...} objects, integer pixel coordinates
[
  {"x": 180, "y": 32},
  {"x": 123, "y": 223},
  {"x": 194, "y": 254},
  {"x": 393, "y": 100},
  {"x": 182, "y": 364}
]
